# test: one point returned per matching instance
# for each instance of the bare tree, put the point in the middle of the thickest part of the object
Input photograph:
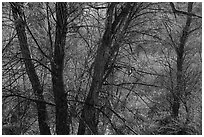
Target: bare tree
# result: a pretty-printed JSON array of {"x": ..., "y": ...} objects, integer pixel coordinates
[
  {"x": 20, "y": 26},
  {"x": 116, "y": 25},
  {"x": 57, "y": 66}
]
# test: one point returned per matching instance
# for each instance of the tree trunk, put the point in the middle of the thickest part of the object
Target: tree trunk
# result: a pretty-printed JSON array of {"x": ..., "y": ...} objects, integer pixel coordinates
[
  {"x": 41, "y": 107},
  {"x": 57, "y": 65},
  {"x": 105, "y": 53},
  {"x": 180, "y": 60}
]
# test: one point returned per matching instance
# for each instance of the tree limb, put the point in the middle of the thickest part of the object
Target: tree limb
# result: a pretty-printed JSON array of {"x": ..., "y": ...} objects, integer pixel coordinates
[{"x": 175, "y": 11}]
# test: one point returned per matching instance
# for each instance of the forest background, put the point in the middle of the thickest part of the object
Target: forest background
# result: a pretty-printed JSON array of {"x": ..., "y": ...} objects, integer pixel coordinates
[{"x": 102, "y": 68}]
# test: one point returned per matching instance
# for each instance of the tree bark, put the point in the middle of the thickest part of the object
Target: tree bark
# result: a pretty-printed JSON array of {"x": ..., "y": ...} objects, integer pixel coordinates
[
  {"x": 180, "y": 60},
  {"x": 105, "y": 53},
  {"x": 57, "y": 65},
  {"x": 33, "y": 77}
]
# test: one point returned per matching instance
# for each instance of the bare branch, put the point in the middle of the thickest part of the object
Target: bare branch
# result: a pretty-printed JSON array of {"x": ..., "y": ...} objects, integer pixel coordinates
[{"x": 175, "y": 11}]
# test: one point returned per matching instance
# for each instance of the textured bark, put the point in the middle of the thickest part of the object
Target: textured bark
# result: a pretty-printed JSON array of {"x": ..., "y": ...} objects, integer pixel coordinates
[
  {"x": 180, "y": 60},
  {"x": 89, "y": 114},
  {"x": 41, "y": 107},
  {"x": 106, "y": 50},
  {"x": 57, "y": 65}
]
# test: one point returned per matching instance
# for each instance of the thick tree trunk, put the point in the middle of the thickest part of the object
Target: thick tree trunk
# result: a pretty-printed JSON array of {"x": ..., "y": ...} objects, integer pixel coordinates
[
  {"x": 41, "y": 107},
  {"x": 180, "y": 60},
  {"x": 105, "y": 53},
  {"x": 89, "y": 113},
  {"x": 57, "y": 65}
]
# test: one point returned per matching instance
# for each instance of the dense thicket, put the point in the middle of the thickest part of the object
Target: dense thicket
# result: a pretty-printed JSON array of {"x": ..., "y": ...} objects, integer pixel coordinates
[{"x": 101, "y": 68}]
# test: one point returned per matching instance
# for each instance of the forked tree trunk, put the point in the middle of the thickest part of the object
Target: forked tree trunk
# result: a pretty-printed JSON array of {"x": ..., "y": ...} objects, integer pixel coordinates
[
  {"x": 105, "y": 53},
  {"x": 33, "y": 77}
]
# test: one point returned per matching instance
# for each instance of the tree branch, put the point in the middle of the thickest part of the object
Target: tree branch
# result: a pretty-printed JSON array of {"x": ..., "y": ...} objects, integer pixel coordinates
[
  {"x": 34, "y": 100},
  {"x": 175, "y": 11}
]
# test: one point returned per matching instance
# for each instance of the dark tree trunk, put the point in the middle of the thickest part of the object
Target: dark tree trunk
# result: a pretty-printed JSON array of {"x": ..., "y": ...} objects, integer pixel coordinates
[
  {"x": 41, "y": 107},
  {"x": 89, "y": 113},
  {"x": 105, "y": 53},
  {"x": 180, "y": 60},
  {"x": 57, "y": 65}
]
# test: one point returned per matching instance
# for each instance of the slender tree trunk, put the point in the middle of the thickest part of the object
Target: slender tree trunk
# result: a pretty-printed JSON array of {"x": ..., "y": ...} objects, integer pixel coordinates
[
  {"x": 41, "y": 107},
  {"x": 57, "y": 65},
  {"x": 105, "y": 53},
  {"x": 180, "y": 60}
]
